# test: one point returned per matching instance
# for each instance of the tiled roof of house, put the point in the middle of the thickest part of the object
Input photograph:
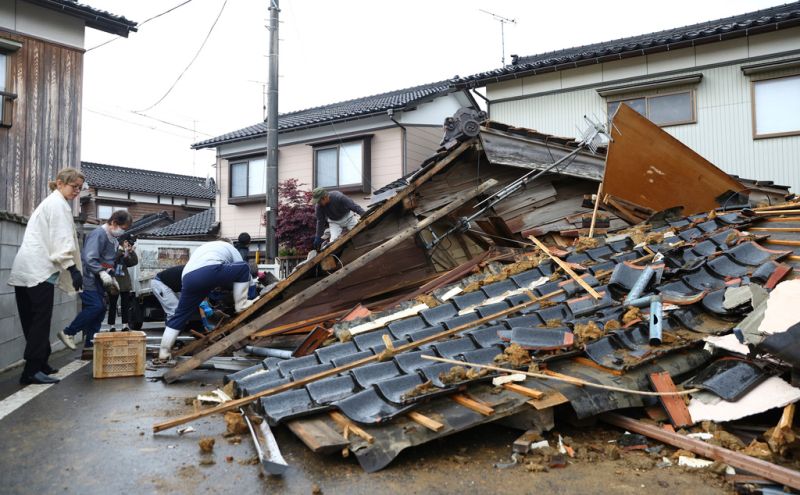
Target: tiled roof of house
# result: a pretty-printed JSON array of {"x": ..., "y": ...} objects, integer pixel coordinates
[
  {"x": 201, "y": 224},
  {"x": 148, "y": 221},
  {"x": 336, "y": 112},
  {"x": 147, "y": 181},
  {"x": 94, "y": 18},
  {"x": 760, "y": 21}
]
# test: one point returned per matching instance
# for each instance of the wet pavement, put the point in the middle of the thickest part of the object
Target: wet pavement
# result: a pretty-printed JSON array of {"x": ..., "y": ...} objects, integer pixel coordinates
[{"x": 90, "y": 436}]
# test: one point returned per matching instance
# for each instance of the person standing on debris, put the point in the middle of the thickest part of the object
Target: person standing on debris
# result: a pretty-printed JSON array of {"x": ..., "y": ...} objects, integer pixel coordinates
[
  {"x": 99, "y": 253},
  {"x": 49, "y": 256},
  {"x": 242, "y": 245},
  {"x": 211, "y": 265},
  {"x": 166, "y": 286},
  {"x": 335, "y": 209},
  {"x": 126, "y": 257}
]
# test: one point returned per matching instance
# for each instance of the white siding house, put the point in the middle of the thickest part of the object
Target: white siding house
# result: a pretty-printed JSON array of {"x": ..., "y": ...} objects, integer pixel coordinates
[{"x": 729, "y": 89}]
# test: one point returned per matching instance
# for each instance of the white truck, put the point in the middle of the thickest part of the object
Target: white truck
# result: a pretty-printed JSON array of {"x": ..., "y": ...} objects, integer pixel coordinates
[{"x": 154, "y": 255}]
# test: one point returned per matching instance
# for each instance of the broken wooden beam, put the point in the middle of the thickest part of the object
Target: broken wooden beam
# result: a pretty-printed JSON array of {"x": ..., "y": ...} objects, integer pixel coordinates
[
  {"x": 346, "y": 367},
  {"x": 738, "y": 460},
  {"x": 260, "y": 321},
  {"x": 472, "y": 404},
  {"x": 425, "y": 421},
  {"x": 317, "y": 435},
  {"x": 522, "y": 445},
  {"x": 342, "y": 420},
  {"x": 306, "y": 267},
  {"x": 675, "y": 407},
  {"x": 564, "y": 266},
  {"x": 523, "y": 390}
]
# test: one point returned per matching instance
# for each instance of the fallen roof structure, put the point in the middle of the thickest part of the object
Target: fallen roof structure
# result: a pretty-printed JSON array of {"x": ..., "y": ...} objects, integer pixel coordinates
[{"x": 592, "y": 326}]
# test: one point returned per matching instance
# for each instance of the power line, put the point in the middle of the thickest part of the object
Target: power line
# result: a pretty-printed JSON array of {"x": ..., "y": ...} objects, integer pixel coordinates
[
  {"x": 171, "y": 123},
  {"x": 199, "y": 50},
  {"x": 115, "y": 38},
  {"x": 151, "y": 127}
]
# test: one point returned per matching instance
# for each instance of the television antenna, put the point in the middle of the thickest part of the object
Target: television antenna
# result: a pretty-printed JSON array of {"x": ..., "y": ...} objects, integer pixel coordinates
[{"x": 503, "y": 21}]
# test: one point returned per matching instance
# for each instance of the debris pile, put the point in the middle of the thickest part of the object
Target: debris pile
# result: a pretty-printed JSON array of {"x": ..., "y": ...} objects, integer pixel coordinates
[{"x": 680, "y": 311}]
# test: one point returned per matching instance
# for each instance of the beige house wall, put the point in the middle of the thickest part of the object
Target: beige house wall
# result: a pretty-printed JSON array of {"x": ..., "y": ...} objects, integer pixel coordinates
[{"x": 421, "y": 144}]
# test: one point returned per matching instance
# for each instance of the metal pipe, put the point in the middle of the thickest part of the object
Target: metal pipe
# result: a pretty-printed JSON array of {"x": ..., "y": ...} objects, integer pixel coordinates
[
  {"x": 642, "y": 301},
  {"x": 268, "y": 352},
  {"x": 655, "y": 321},
  {"x": 640, "y": 285}
]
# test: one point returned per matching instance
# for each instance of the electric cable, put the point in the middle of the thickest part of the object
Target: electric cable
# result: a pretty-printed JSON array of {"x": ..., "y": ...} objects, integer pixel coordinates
[
  {"x": 199, "y": 50},
  {"x": 115, "y": 38}
]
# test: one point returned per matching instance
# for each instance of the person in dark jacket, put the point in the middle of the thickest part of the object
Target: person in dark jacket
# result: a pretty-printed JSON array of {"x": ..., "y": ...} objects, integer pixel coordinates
[
  {"x": 242, "y": 245},
  {"x": 337, "y": 211},
  {"x": 98, "y": 255},
  {"x": 126, "y": 257}
]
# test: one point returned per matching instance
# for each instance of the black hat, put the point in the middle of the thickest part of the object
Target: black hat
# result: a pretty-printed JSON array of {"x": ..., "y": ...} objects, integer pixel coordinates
[{"x": 244, "y": 238}]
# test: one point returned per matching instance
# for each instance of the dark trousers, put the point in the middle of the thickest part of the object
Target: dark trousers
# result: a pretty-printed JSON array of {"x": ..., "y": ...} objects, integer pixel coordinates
[
  {"x": 125, "y": 305},
  {"x": 91, "y": 316},
  {"x": 35, "y": 307},
  {"x": 199, "y": 283}
]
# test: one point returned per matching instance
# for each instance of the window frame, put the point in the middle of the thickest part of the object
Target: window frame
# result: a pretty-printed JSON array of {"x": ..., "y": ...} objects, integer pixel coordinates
[
  {"x": 753, "y": 123},
  {"x": 6, "y": 97},
  {"x": 366, "y": 163},
  {"x": 247, "y": 198},
  {"x": 647, "y": 98},
  {"x": 103, "y": 205}
]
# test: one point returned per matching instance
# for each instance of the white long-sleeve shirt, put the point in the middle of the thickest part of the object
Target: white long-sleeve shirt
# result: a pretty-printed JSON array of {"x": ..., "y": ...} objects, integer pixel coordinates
[
  {"x": 50, "y": 245},
  {"x": 211, "y": 253}
]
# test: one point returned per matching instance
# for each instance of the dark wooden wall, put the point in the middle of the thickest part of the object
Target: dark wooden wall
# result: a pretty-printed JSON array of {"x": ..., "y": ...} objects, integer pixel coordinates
[{"x": 45, "y": 134}]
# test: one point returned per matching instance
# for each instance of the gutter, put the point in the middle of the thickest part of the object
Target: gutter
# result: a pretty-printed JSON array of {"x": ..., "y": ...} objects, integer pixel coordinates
[
  {"x": 404, "y": 133},
  {"x": 97, "y": 21}
]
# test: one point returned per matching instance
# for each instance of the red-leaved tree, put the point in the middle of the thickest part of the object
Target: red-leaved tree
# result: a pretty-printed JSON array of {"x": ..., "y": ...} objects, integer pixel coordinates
[{"x": 296, "y": 220}]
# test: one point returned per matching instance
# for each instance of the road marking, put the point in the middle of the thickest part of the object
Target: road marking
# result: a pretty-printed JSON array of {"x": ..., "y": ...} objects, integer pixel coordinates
[{"x": 20, "y": 398}]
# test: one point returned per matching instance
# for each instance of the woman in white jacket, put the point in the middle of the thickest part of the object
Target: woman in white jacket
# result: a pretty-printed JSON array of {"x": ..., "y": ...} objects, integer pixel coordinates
[{"x": 49, "y": 256}]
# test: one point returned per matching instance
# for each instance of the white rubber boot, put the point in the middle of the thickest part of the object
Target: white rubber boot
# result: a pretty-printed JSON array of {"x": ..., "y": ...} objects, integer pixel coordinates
[
  {"x": 167, "y": 341},
  {"x": 240, "y": 301}
]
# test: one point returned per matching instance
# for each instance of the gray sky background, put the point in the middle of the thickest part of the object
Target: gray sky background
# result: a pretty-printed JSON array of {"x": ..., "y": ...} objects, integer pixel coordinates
[{"x": 329, "y": 51}]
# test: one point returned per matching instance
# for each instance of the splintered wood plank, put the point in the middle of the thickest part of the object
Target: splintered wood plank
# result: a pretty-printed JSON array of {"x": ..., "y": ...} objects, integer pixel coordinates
[
  {"x": 523, "y": 390},
  {"x": 317, "y": 435},
  {"x": 341, "y": 420},
  {"x": 522, "y": 445},
  {"x": 472, "y": 404},
  {"x": 425, "y": 421},
  {"x": 676, "y": 409},
  {"x": 550, "y": 399}
]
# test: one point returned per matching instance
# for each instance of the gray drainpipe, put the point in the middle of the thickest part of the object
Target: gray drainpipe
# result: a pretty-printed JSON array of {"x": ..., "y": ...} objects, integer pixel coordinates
[{"x": 404, "y": 159}]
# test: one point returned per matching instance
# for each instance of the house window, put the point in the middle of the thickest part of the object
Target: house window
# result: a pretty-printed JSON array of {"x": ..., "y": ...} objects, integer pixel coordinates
[
  {"x": 249, "y": 178},
  {"x": 344, "y": 166},
  {"x": 662, "y": 110},
  {"x": 776, "y": 107},
  {"x": 104, "y": 211},
  {"x": 6, "y": 98}
]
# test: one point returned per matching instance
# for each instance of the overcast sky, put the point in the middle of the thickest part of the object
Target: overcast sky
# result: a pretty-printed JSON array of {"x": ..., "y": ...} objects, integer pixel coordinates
[{"x": 329, "y": 51}]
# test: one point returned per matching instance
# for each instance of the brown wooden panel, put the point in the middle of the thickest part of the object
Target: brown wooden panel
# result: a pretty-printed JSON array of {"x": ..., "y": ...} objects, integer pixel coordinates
[
  {"x": 45, "y": 133},
  {"x": 650, "y": 168}
]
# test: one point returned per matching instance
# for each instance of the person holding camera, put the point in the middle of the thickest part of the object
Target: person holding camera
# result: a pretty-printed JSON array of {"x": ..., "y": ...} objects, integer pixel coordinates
[
  {"x": 98, "y": 256},
  {"x": 126, "y": 257}
]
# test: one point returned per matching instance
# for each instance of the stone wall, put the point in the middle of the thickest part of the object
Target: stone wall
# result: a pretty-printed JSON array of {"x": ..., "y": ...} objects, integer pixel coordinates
[{"x": 12, "y": 342}]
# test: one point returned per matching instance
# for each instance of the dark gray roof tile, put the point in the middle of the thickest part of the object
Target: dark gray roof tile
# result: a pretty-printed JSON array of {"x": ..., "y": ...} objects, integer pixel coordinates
[
  {"x": 147, "y": 181},
  {"x": 203, "y": 223}
]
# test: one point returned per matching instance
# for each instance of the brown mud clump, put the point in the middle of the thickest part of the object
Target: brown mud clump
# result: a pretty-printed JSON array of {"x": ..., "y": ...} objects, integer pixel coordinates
[
  {"x": 456, "y": 374},
  {"x": 421, "y": 389},
  {"x": 612, "y": 325},
  {"x": 206, "y": 445},
  {"x": 631, "y": 315},
  {"x": 514, "y": 355},
  {"x": 431, "y": 301},
  {"x": 586, "y": 332},
  {"x": 235, "y": 424},
  {"x": 584, "y": 243},
  {"x": 553, "y": 323}
]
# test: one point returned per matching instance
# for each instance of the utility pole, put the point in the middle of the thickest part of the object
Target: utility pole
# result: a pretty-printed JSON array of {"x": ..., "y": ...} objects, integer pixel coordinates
[
  {"x": 272, "y": 134},
  {"x": 503, "y": 21}
]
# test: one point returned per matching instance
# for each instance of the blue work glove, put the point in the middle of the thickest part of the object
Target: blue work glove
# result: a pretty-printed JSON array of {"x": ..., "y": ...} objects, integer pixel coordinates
[
  {"x": 317, "y": 242},
  {"x": 77, "y": 278}
]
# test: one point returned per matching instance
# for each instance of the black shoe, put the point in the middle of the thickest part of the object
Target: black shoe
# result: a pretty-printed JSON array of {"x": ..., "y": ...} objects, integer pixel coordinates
[
  {"x": 49, "y": 370},
  {"x": 112, "y": 329},
  {"x": 37, "y": 378}
]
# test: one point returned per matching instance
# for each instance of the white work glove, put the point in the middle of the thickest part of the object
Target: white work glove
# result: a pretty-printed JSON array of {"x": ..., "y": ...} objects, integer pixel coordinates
[{"x": 109, "y": 283}]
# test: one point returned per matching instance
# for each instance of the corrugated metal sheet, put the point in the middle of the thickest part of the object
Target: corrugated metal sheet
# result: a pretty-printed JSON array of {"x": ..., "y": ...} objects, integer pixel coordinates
[{"x": 722, "y": 134}]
